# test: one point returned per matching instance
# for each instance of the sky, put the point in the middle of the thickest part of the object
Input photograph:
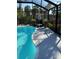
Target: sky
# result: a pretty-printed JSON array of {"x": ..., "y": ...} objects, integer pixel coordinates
[
  {"x": 55, "y": 1},
  {"x": 38, "y": 1},
  {"x": 44, "y": 3},
  {"x": 23, "y": 5}
]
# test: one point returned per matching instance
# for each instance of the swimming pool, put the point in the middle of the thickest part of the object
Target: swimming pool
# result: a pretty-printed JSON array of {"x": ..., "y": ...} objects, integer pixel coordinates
[{"x": 25, "y": 46}]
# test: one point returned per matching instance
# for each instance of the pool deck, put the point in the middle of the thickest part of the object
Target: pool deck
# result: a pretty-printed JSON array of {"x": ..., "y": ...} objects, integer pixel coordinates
[{"x": 48, "y": 43}]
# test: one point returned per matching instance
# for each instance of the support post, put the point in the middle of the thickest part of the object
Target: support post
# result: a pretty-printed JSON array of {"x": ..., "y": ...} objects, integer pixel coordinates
[
  {"x": 48, "y": 14},
  {"x": 56, "y": 18}
]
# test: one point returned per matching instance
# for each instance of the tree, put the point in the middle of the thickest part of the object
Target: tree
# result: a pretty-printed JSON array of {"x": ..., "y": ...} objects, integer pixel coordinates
[
  {"x": 34, "y": 11},
  {"x": 27, "y": 10}
]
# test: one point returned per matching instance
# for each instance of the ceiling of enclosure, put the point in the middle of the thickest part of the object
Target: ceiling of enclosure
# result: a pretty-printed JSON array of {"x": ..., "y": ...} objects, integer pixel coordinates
[
  {"x": 55, "y": 1},
  {"x": 44, "y": 3}
]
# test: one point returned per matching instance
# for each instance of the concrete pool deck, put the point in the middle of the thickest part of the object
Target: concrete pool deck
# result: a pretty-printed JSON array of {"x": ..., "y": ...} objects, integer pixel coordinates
[{"x": 48, "y": 43}]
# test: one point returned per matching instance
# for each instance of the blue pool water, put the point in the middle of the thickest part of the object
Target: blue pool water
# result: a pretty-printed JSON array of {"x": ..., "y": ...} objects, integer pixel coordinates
[{"x": 25, "y": 47}]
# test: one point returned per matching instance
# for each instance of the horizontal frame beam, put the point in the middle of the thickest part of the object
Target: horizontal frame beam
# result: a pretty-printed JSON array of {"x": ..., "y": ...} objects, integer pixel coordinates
[{"x": 51, "y": 3}]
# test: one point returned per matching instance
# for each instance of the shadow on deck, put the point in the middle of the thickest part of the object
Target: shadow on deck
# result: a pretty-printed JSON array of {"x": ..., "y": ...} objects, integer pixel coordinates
[{"x": 50, "y": 48}]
